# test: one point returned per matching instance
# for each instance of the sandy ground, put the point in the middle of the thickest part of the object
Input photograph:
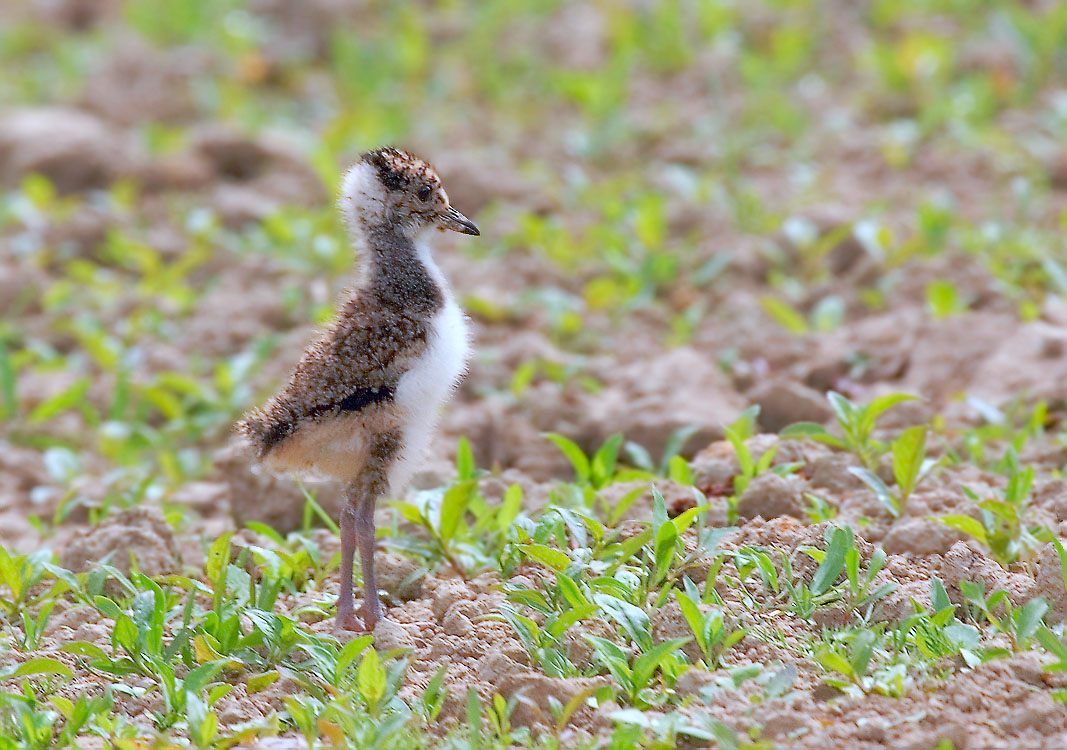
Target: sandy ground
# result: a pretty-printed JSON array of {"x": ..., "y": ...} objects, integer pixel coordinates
[{"x": 648, "y": 385}]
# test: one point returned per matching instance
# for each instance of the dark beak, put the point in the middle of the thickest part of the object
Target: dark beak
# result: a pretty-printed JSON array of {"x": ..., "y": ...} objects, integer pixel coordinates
[{"x": 457, "y": 222}]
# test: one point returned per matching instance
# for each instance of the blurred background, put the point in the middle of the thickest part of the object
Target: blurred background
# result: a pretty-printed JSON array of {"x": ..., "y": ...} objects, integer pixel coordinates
[{"x": 687, "y": 208}]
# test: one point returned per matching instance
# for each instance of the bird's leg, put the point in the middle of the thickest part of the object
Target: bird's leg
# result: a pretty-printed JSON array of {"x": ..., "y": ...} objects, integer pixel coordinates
[
  {"x": 346, "y": 613},
  {"x": 372, "y": 605},
  {"x": 357, "y": 528}
]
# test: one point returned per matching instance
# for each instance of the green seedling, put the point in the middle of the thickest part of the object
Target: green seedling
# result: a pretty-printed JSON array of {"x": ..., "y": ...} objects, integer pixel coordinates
[
  {"x": 1000, "y": 527},
  {"x": 943, "y": 299},
  {"x": 909, "y": 466},
  {"x": 1020, "y": 624},
  {"x": 857, "y": 591},
  {"x": 848, "y": 661},
  {"x": 819, "y": 509},
  {"x": 1056, "y": 648},
  {"x": 597, "y": 470},
  {"x": 751, "y": 467},
  {"x": 21, "y": 574},
  {"x": 635, "y": 677},
  {"x": 672, "y": 463},
  {"x": 667, "y": 537},
  {"x": 462, "y": 529},
  {"x": 1014, "y": 425},
  {"x": 543, "y": 644},
  {"x": 785, "y": 315},
  {"x": 713, "y": 633},
  {"x": 857, "y": 424}
]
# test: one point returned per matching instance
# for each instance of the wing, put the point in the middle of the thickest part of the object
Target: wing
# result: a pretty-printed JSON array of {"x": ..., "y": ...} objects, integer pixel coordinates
[{"x": 353, "y": 366}]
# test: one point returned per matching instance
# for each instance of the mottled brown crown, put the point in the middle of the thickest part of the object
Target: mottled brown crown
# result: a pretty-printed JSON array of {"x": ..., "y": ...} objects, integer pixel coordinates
[{"x": 399, "y": 170}]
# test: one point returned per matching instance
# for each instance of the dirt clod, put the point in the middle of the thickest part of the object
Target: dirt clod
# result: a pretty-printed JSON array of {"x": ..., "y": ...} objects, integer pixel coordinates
[
  {"x": 770, "y": 495},
  {"x": 399, "y": 576},
  {"x": 73, "y": 149},
  {"x": 137, "y": 536},
  {"x": 783, "y": 403}
]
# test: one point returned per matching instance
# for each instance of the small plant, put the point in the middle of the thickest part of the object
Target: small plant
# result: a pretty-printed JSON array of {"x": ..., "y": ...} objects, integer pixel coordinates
[
  {"x": 1000, "y": 527},
  {"x": 857, "y": 423},
  {"x": 1020, "y": 624},
  {"x": 909, "y": 466},
  {"x": 597, "y": 470},
  {"x": 635, "y": 677},
  {"x": 21, "y": 574},
  {"x": 713, "y": 633},
  {"x": 819, "y": 509},
  {"x": 443, "y": 515}
]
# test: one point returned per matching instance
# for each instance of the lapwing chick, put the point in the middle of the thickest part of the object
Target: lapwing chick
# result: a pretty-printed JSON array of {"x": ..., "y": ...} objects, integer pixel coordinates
[{"x": 361, "y": 405}]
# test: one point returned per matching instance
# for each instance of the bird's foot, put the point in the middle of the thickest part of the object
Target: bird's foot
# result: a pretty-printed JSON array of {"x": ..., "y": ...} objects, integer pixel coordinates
[
  {"x": 350, "y": 621},
  {"x": 363, "y": 622}
]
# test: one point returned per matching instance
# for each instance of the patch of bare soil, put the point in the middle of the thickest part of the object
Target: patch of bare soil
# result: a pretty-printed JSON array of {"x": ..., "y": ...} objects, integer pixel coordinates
[{"x": 630, "y": 380}]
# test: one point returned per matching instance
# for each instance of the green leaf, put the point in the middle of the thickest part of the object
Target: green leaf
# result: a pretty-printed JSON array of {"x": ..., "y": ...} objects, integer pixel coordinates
[
  {"x": 8, "y": 381},
  {"x": 785, "y": 315},
  {"x": 691, "y": 613},
  {"x": 744, "y": 456},
  {"x": 844, "y": 410},
  {"x": 811, "y": 431},
  {"x": 39, "y": 665},
  {"x": 1063, "y": 559},
  {"x": 646, "y": 664},
  {"x": 862, "y": 648},
  {"x": 963, "y": 636},
  {"x": 570, "y": 590},
  {"x": 942, "y": 298},
  {"x": 573, "y": 453},
  {"x": 614, "y": 659},
  {"x": 1030, "y": 618},
  {"x": 659, "y": 512},
  {"x": 465, "y": 467},
  {"x": 454, "y": 503},
  {"x": 675, "y": 444},
  {"x": 834, "y": 561},
  {"x": 967, "y": 525},
  {"x": 678, "y": 470},
  {"x": 564, "y": 622},
  {"x": 872, "y": 480},
  {"x": 548, "y": 556},
  {"x": 510, "y": 507},
  {"x": 370, "y": 679},
  {"x": 474, "y": 717},
  {"x": 1055, "y": 647},
  {"x": 200, "y": 676},
  {"x": 882, "y": 404},
  {"x": 84, "y": 648},
  {"x": 633, "y": 620},
  {"x": 833, "y": 662},
  {"x": 260, "y": 682},
  {"x": 909, "y": 450},
  {"x": 685, "y": 519},
  {"x": 666, "y": 543},
  {"x": 803, "y": 430},
  {"x": 347, "y": 656},
  {"x": 938, "y": 595},
  {"x": 60, "y": 402},
  {"x": 602, "y": 468}
]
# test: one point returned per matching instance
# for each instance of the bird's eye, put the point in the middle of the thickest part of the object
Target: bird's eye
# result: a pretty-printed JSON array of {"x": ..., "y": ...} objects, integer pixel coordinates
[{"x": 424, "y": 193}]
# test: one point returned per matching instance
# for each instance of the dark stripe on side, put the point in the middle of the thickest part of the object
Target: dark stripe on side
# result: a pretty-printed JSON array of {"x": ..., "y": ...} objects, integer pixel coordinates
[
  {"x": 358, "y": 400},
  {"x": 277, "y": 432},
  {"x": 363, "y": 397}
]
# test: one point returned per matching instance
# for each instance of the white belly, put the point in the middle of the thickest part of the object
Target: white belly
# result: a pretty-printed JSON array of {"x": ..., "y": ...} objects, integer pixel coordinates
[{"x": 422, "y": 390}]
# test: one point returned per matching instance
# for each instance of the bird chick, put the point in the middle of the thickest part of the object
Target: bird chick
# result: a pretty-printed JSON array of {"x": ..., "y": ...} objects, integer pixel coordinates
[{"x": 361, "y": 405}]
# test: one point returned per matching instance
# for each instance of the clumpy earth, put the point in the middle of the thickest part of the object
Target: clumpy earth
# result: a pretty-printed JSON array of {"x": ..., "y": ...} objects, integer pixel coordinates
[{"x": 701, "y": 226}]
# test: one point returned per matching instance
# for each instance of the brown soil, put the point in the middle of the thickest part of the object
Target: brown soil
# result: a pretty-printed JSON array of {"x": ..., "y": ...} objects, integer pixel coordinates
[{"x": 646, "y": 386}]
